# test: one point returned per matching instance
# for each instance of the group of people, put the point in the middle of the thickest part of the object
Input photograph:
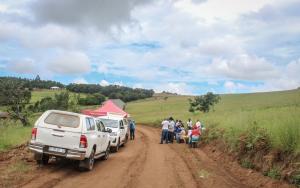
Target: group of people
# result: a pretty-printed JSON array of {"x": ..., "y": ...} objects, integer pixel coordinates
[{"x": 172, "y": 129}]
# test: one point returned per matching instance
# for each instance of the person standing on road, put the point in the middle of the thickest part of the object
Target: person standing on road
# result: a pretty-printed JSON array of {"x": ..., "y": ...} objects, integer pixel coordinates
[
  {"x": 132, "y": 129},
  {"x": 171, "y": 129},
  {"x": 164, "y": 131},
  {"x": 189, "y": 124}
]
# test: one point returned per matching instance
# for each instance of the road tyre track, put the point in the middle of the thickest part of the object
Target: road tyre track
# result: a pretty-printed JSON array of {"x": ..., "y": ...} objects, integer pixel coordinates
[{"x": 137, "y": 165}]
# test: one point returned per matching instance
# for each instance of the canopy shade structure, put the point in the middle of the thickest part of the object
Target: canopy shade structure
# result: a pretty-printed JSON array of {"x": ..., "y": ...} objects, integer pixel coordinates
[{"x": 108, "y": 108}]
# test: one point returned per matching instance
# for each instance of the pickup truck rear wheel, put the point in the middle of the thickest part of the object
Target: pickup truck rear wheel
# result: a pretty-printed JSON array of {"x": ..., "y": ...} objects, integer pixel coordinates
[
  {"x": 116, "y": 148},
  {"x": 91, "y": 160},
  {"x": 105, "y": 157},
  {"x": 88, "y": 163}
]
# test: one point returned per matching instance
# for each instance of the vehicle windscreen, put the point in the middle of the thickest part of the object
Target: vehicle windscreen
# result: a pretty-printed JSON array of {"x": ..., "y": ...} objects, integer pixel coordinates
[
  {"x": 65, "y": 120},
  {"x": 110, "y": 123}
]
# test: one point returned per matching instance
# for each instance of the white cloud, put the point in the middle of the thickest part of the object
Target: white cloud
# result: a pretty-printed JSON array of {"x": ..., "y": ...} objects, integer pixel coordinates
[
  {"x": 22, "y": 66},
  {"x": 293, "y": 70},
  {"x": 90, "y": 13},
  {"x": 70, "y": 63},
  {"x": 138, "y": 85},
  {"x": 214, "y": 10},
  {"x": 118, "y": 83},
  {"x": 232, "y": 87},
  {"x": 198, "y": 41},
  {"x": 102, "y": 68},
  {"x": 3, "y": 8},
  {"x": 104, "y": 83},
  {"x": 243, "y": 67},
  {"x": 80, "y": 81},
  {"x": 179, "y": 88}
]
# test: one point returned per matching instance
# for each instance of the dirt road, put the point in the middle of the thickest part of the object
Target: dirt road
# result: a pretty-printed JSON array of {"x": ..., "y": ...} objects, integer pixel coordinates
[{"x": 145, "y": 163}]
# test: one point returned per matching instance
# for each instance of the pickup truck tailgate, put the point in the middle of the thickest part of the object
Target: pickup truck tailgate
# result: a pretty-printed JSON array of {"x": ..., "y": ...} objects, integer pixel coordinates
[
  {"x": 58, "y": 138},
  {"x": 59, "y": 130}
]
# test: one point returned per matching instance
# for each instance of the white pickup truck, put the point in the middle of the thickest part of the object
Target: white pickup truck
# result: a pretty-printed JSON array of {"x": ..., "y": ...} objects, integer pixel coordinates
[
  {"x": 69, "y": 135},
  {"x": 119, "y": 126}
]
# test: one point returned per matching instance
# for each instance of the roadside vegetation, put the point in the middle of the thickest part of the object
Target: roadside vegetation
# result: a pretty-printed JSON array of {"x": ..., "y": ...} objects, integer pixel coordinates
[
  {"x": 26, "y": 99},
  {"x": 261, "y": 129},
  {"x": 275, "y": 112}
]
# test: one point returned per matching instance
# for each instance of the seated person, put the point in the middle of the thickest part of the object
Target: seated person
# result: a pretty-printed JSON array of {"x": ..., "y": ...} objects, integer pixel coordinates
[
  {"x": 195, "y": 134},
  {"x": 182, "y": 135},
  {"x": 177, "y": 133}
]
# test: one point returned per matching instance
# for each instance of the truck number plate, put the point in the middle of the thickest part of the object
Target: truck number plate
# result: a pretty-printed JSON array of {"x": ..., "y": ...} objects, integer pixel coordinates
[{"x": 58, "y": 150}]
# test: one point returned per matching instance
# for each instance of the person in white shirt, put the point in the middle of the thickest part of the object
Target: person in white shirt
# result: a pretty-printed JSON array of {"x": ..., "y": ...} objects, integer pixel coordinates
[
  {"x": 164, "y": 132},
  {"x": 189, "y": 124},
  {"x": 198, "y": 124},
  {"x": 171, "y": 129}
]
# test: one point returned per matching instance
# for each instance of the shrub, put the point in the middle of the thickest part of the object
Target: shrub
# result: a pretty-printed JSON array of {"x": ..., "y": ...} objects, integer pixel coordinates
[
  {"x": 245, "y": 163},
  {"x": 289, "y": 137},
  {"x": 94, "y": 99},
  {"x": 61, "y": 101},
  {"x": 274, "y": 173},
  {"x": 255, "y": 138},
  {"x": 296, "y": 179}
]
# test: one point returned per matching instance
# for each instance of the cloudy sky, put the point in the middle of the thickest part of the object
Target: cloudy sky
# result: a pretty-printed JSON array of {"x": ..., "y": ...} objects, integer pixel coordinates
[{"x": 182, "y": 46}]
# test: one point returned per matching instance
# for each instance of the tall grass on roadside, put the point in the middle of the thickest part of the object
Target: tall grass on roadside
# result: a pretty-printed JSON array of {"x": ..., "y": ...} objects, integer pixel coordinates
[
  {"x": 12, "y": 134},
  {"x": 278, "y": 113}
]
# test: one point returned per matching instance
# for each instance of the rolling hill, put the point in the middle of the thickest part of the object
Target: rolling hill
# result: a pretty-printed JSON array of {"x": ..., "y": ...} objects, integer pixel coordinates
[{"x": 277, "y": 112}]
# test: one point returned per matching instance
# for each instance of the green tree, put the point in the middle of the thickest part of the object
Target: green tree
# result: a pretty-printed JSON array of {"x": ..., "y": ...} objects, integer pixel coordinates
[
  {"x": 61, "y": 101},
  {"x": 37, "y": 78},
  {"x": 16, "y": 97},
  {"x": 95, "y": 99},
  {"x": 204, "y": 102}
]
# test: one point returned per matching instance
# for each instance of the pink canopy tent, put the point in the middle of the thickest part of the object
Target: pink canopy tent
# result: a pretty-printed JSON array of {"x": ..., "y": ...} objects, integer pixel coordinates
[{"x": 108, "y": 107}]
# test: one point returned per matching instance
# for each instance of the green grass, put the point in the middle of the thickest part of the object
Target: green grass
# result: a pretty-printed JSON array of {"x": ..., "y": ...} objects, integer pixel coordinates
[
  {"x": 12, "y": 134},
  {"x": 37, "y": 95},
  {"x": 277, "y": 112}
]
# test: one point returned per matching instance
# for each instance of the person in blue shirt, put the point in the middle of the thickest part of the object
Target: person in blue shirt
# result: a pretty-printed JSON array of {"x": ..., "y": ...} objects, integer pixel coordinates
[
  {"x": 132, "y": 129},
  {"x": 178, "y": 132}
]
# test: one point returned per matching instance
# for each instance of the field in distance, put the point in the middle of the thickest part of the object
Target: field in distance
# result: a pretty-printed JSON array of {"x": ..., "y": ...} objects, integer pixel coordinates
[{"x": 277, "y": 112}]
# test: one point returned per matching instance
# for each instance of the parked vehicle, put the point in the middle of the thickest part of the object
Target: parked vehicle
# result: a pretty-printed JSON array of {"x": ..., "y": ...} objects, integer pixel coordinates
[
  {"x": 69, "y": 135},
  {"x": 119, "y": 135}
]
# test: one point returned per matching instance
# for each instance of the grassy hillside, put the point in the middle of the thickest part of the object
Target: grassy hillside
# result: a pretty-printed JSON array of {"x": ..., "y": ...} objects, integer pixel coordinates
[
  {"x": 277, "y": 112},
  {"x": 12, "y": 133}
]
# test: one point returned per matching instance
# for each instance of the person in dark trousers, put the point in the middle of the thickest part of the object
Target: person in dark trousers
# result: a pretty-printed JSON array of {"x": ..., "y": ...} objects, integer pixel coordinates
[
  {"x": 132, "y": 129},
  {"x": 164, "y": 131},
  {"x": 171, "y": 129}
]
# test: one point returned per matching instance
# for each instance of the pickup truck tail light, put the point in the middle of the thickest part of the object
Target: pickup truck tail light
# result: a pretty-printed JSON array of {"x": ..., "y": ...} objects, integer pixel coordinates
[
  {"x": 83, "y": 142},
  {"x": 33, "y": 133}
]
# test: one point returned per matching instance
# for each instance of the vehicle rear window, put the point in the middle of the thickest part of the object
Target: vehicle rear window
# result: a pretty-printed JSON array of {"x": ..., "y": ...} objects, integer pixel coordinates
[{"x": 65, "y": 120}]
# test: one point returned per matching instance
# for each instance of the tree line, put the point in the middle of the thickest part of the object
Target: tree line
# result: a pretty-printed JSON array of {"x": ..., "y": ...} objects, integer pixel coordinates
[
  {"x": 15, "y": 94},
  {"x": 112, "y": 91},
  {"x": 96, "y": 92},
  {"x": 30, "y": 84}
]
